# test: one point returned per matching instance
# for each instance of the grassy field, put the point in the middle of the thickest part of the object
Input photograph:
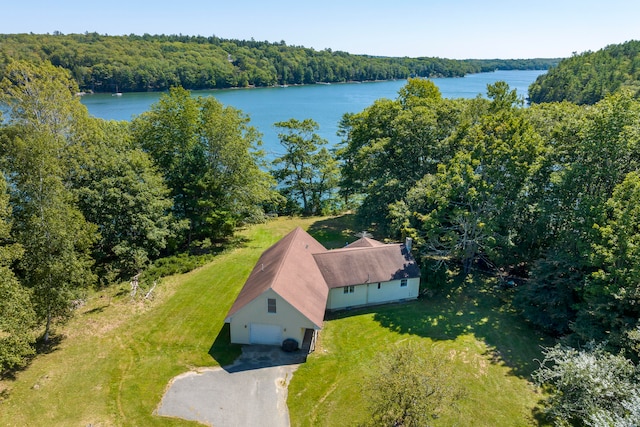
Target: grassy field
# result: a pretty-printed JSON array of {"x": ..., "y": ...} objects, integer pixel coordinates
[
  {"x": 492, "y": 354},
  {"x": 116, "y": 357}
]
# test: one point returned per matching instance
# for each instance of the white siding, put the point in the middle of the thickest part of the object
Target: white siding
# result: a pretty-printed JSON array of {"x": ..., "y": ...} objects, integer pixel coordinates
[
  {"x": 338, "y": 299},
  {"x": 292, "y": 322},
  {"x": 370, "y": 294}
]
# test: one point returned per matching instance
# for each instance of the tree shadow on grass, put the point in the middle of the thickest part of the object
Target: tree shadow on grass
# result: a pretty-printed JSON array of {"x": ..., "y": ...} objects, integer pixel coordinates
[
  {"x": 477, "y": 309},
  {"x": 334, "y": 232},
  {"x": 40, "y": 348}
]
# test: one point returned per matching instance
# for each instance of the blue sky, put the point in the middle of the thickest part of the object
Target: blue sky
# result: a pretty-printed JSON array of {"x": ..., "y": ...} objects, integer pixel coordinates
[{"x": 444, "y": 28}]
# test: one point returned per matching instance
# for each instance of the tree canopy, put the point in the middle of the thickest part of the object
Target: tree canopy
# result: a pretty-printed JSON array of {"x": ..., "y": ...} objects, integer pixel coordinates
[
  {"x": 209, "y": 157},
  {"x": 543, "y": 198},
  {"x": 104, "y": 63},
  {"x": 545, "y": 194},
  {"x": 588, "y": 77},
  {"x": 307, "y": 173}
]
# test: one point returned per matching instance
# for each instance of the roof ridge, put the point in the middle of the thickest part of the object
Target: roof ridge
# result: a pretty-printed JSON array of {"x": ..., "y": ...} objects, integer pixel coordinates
[
  {"x": 356, "y": 248},
  {"x": 281, "y": 261}
]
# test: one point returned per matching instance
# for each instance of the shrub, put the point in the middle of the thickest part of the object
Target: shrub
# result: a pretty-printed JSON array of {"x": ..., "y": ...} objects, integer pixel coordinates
[
  {"x": 409, "y": 386},
  {"x": 590, "y": 387}
]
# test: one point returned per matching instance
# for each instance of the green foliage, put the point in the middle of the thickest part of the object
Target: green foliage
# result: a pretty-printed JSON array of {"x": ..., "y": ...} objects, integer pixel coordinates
[
  {"x": 141, "y": 63},
  {"x": 391, "y": 145},
  {"x": 174, "y": 264},
  {"x": 208, "y": 155},
  {"x": 54, "y": 234},
  {"x": 89, "y": 199},
  {"x": 613, "y": 290},
  {"x": 591, "y": 76},
  {"x": 18, "y": 318},
  {"x": 467, "y": 207},
  {"x": 121, "y": 191},
  {"x": 591, "y": 387},
  {"x": 17, "y": 322},
  {"x": 307, "y": 174},
  {"x": 549, "y": 299},
  {"x": 525, "y": 192},
  {"x": 408, "y": 386}
]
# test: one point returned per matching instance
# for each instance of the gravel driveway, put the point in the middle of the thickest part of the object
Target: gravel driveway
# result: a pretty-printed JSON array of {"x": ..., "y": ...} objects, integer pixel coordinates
[{"x": 251, "y": 392}]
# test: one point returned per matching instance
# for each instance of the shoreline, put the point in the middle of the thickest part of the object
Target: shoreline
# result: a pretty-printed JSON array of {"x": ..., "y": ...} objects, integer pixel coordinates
[{"x": 91, "y": 92}]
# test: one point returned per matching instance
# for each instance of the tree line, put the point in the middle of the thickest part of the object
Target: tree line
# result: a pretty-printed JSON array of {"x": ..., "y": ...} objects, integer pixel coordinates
[
  {"x": 588, "y": 77},
  {"x": 102, "y": 63}
]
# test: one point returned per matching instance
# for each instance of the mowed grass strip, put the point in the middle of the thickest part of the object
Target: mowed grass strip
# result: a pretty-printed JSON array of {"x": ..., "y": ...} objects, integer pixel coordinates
[
  {"x": 116, "y": 357},
  {"x": 491, "y": 351}
]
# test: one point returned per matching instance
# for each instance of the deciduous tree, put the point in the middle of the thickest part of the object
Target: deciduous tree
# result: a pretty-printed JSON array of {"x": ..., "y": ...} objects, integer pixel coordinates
[
  {"x": 209, "y": 157},
  {"x": 590, "y": 387},
  {"x": 307, "y": 172},
  {"x": 18, "y": 318},
  {"x": 120, "y": 190},
  {"x": 54, "y": 234},
  {"x": 408, "y": 386}
]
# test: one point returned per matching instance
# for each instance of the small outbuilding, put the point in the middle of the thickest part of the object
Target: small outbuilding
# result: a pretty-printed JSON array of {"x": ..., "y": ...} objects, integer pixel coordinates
[{"x": 297, "y": 279}]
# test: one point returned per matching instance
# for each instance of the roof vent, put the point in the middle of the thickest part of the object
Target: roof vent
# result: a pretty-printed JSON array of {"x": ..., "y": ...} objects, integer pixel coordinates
[{"x": 408, "y": 243}]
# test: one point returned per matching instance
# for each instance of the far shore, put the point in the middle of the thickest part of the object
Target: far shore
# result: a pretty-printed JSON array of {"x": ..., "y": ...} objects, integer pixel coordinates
[{"x": 93, "y": 92}]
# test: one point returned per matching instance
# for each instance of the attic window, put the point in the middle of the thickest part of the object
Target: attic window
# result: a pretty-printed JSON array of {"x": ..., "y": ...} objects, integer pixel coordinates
[
  {"x": 271, "y": 305},
  {"x": 348, "y": 289},
  {"x": 403, "y": 283}
]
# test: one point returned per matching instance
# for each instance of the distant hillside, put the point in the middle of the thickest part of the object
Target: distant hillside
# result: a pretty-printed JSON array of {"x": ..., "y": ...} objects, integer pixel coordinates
[
  {"x": 590, "y": 76},
  {"x": 141, "y": 63}
]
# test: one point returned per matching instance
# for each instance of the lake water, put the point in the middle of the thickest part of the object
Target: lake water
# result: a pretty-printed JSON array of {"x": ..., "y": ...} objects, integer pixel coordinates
[{"x": 325, "y": 104}]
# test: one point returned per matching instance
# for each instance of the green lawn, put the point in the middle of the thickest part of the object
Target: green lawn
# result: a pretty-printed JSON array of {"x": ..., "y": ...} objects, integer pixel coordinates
[
  {"x": 116, "y": 357},
  {"x": 491, "y": 351}
]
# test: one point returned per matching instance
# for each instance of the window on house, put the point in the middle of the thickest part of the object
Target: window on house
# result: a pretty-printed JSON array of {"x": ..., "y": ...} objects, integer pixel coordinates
[
  {"x": 348, "y": 289},
  {"x": 403, "y": 283},
  {"x": 271, "y": 305},
  {"x": 378, "y": 285}
]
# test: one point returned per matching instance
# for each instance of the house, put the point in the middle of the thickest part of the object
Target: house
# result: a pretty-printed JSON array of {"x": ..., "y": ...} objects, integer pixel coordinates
[{"x": 297, "y": 279}]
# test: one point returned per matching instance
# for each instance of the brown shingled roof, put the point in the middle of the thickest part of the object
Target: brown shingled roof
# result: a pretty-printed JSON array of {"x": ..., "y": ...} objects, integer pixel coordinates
[
  {"x": 301, "y": 271},
  {"x": 288, "y": 268},
  {"x": 366, "y": 264},
  {"x": 364, "y": 242}
]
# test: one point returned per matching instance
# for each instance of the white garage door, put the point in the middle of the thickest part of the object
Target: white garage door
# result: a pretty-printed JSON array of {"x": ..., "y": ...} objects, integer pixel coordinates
[{"x": 265, "y": 334}]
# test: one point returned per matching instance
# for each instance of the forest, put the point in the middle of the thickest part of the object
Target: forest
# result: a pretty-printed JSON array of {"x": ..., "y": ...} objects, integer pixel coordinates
[
  {"x": 545, "y": 198},
  {"x": 102, "y": 63},
  {"x": 588, "y": 77}
]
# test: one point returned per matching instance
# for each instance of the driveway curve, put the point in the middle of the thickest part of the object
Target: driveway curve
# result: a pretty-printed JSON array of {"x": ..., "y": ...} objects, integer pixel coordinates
[{"x": 251, "y": 392}]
